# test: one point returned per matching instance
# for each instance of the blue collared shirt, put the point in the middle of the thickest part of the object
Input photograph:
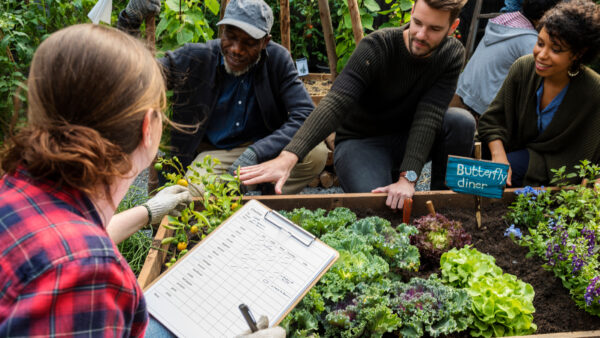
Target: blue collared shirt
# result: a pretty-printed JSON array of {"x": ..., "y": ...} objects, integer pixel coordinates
[
  {"x": 236, "y": 118},
  {"x": 546, "y": 114}
]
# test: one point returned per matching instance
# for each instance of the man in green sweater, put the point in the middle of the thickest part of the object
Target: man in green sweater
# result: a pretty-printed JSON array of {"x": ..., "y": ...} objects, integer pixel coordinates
[{"x": 389, "y": 108}]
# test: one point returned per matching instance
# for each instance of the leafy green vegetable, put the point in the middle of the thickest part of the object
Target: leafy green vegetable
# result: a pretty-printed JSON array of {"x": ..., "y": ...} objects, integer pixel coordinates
[
  {"x": 437, "y": 235},
  {"x": 427, "y": 305},
  {"x": 502, "y": 304}
]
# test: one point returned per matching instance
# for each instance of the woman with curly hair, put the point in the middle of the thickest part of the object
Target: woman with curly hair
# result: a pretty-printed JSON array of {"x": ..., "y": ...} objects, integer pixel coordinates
[{"x": 547, "y": 113}]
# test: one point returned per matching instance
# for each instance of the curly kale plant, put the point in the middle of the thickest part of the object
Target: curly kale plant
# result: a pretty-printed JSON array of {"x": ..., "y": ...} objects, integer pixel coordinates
[
  {"x": 502, "y": 304},
  {"x": 352, "y": 298},
  {"x": 427, "y": 305},
  {"x": 437, "y": 235}
]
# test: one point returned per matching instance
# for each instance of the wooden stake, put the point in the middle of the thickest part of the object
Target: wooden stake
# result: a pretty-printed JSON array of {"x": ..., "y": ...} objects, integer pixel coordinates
[
  {"x": 224, "y": 4},
  {"x": 478, "y": 198},
  {"x": 325, "y": 15},
  {"x": 430, "y": 207},
  {"x": 357, "y": 28},
  {"x": 284, "y": 23},
  {"x": 407, "y": 210}
]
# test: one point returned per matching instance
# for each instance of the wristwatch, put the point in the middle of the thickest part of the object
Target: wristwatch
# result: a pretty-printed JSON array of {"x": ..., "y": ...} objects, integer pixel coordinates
[{"x": 410, "y": 176}]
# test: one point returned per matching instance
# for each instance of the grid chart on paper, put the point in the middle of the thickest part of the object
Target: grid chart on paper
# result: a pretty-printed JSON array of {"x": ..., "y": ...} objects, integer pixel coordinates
[{"x": 250, "y": 261}]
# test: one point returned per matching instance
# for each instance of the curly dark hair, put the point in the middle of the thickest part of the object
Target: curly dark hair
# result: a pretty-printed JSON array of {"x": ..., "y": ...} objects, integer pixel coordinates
[
  {"x": 533, "y": 10},
  {"x": 575, "y": 23}
]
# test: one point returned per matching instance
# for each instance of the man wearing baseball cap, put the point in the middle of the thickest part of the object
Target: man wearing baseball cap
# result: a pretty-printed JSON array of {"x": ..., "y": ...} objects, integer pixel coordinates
[{"x": 242, "y": 89}]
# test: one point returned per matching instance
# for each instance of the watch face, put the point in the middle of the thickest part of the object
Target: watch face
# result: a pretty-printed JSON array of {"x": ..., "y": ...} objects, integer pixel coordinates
[{"x": 411, "y": 176}]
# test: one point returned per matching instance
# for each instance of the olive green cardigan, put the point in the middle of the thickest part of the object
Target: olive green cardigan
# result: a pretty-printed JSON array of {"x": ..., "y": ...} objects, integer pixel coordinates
[{"x": 572, "y": 135}]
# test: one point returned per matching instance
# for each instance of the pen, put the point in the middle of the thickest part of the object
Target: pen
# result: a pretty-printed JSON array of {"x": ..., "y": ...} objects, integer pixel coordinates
[{"x": 248, "y": 317}]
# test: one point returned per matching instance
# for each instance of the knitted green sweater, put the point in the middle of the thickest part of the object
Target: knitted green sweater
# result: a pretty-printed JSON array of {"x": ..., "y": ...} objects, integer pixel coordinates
[
  {"x": 572, "y": 135},
  {"x": 384, "y": 90}
]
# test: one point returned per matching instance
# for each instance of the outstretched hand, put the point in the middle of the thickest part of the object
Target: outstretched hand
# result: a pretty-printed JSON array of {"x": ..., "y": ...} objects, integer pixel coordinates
[
  {"x": 397, "y": 193},
  {"x": 275, "y": 171}
]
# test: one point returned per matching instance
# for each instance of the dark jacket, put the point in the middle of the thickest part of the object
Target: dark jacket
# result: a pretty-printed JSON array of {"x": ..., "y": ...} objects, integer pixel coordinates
[
  {"x": 571, "y": 136},
  {"x": 194, "y": 74}
]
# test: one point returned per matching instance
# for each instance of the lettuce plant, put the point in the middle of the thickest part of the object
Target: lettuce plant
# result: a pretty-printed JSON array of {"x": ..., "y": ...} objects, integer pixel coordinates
[
  {"x": 502, "y": 305},
  {"x": 437, "y": 235}
]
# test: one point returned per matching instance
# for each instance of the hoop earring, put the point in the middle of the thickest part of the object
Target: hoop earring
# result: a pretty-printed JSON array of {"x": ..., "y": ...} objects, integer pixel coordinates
[{"x": 574, "y": 73}]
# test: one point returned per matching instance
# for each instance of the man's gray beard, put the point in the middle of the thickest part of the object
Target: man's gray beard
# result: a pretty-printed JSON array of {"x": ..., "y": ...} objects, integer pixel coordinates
[{"x": 241, "y": 72}]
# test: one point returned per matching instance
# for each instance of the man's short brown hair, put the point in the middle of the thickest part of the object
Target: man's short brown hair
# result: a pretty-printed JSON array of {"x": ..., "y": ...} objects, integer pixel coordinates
[{"x": 451, "y": 6}]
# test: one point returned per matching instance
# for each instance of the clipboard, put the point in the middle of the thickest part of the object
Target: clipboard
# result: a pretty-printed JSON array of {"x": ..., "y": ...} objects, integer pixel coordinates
[{"x": 256, "y": 257}]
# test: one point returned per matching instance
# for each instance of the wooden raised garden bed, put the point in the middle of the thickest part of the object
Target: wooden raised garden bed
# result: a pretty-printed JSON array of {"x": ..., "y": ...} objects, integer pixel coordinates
[
  {"x": 556, "y": 314},
  {"x": 318, "y": 85}
]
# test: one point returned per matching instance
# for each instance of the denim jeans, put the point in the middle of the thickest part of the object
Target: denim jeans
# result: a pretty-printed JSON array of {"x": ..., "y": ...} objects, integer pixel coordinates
[
  {"x": 519, "y": 162},
  {"x": 156, "y": 330},
  {"x": 365, "y": 164}
]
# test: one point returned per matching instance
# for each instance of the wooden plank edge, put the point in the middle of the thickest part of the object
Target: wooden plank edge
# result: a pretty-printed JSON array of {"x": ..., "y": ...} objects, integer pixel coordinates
[
  {"x": 573, "y": 334},
  {"x": 155, "y": 259},
  {"x": 316, "y": 76}
]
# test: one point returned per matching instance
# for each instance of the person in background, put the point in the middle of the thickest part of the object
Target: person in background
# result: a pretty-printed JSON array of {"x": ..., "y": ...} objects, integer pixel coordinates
[
  {"x": 389, "y": 108},
  {"x": 507, "y": 37},
  {"x": 547, "y": 112},
  {"x": 95, "y": 102},
  {"x": 243, "y": 89},
  {"x": 512, "y": 6}
]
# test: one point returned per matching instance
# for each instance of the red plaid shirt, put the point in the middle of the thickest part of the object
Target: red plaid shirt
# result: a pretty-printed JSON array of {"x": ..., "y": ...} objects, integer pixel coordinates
[{"x": 60, "y": 273}]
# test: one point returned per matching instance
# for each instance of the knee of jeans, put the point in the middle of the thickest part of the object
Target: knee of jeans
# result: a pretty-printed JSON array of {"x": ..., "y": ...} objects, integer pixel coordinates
[{"x": 459, "y": 120}]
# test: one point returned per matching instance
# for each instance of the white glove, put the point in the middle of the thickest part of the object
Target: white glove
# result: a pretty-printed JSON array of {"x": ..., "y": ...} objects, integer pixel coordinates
[
  {"x": 171, "y": 200},
  {"x": 264, "y": 331}
]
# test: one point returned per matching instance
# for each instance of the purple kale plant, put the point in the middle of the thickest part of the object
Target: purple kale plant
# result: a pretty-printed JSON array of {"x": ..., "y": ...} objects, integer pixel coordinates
[{"x": 437, "y": 235}]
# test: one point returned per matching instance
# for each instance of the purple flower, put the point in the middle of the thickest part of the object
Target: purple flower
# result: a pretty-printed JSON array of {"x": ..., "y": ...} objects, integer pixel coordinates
[{"x": 592, "y": 291}]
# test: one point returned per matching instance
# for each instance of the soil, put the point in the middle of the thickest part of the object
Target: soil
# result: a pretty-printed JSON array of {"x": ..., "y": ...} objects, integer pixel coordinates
[
  {"x": 317, "y": 87},
  {"x": 555, "y": 310}
]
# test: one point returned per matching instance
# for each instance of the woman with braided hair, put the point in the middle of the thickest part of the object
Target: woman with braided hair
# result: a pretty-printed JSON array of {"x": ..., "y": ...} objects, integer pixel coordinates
[{"x": 547, "y": 113}]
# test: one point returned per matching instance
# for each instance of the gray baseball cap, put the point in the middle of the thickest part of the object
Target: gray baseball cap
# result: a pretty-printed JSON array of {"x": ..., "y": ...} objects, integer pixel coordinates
[{"x": 254, "y": 17}]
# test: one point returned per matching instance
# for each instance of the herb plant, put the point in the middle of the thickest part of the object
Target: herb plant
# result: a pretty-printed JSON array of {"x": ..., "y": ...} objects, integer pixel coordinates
[{"x": 221, "y": 198}]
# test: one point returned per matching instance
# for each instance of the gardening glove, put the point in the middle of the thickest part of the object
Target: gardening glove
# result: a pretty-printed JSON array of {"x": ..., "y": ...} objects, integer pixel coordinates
[
  {"x": 171, "y": 200},
  {"x": 140, "y": 9},
  {"x": 264, "y": 331},
  {"x": 247, "y": 158}
]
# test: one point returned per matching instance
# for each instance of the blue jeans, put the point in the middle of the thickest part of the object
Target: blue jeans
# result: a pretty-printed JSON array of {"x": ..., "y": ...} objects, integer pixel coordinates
[
  {"x": 156, "y": 330},
  {"x": 365, "y": 164},
  {"x": 519, "y": 162}
]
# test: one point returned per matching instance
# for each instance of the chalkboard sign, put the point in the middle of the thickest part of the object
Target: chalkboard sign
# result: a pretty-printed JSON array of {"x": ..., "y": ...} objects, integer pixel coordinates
[{"x": 469, "y": 176}]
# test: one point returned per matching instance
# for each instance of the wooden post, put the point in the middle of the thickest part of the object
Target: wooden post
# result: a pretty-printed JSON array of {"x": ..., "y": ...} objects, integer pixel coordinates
[
  {"x": 473, "y": 30},
  {"x": 356, "y": 23},
  {"x": 407, "y": 210},
  {"x": 151, "y": 43},
  {"x": 325, "y": 15},
  {"x": 284, "y": 24},
  {"x": 478, "y": 198},
  {"x": 430, "y": 208},
  {"x": 221, "y": 13}
]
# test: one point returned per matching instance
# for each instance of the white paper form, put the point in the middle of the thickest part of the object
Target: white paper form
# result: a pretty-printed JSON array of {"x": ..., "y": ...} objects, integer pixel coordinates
[{"x": 256, "y": 257}]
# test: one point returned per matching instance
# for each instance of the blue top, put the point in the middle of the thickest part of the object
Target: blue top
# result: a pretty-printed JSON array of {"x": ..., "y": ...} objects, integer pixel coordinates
[
  {"x": 236, "y": 118},
  {"x": 512, "y": 6},
  {"x": 546, "y": 115}
]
